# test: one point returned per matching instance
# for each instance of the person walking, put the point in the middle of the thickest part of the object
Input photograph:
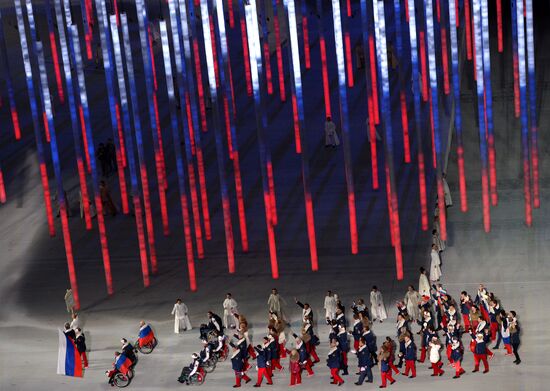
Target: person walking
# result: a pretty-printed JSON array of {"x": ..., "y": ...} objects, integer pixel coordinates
[
  {"x": 365, "y": 363},
  {"x": 378, "y": 309},
  {"x": 412, "y": 299},
  {"x": 181, "y": 317},
  {"x": 435, "y": 267},
  {"x": 80, "y": 342},
  {"x": 229, "y": 308},
  {"x": 514, "y": 335}
]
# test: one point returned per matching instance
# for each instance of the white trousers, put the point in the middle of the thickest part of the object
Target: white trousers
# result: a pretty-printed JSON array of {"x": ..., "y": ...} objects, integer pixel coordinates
[{"x": 182, "y": 323}]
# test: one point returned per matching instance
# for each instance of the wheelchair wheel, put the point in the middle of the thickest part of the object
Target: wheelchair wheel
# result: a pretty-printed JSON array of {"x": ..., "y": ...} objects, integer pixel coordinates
[
  {"x": 121, "y": 380},
  {"x": 197, "y": 378},
  {"x": 130, "y": 373},
  {"x": 210, "y": 365},
  {"x": 148, "y": 348}
]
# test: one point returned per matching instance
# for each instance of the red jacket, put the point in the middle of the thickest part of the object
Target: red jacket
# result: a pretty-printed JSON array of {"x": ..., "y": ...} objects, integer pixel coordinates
[{"x": 294, "y": 367}]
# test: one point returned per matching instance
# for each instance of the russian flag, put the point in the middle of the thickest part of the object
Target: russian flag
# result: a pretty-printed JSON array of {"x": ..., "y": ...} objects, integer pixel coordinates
[
  {"x": 146, "y": 335},
  {"x": 123, "y": 363},
  {"x": 68, "y": 357}
]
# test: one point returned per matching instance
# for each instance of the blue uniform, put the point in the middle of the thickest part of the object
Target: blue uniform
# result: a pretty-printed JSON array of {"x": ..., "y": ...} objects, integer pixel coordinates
[{"x": 333, "y": 360}]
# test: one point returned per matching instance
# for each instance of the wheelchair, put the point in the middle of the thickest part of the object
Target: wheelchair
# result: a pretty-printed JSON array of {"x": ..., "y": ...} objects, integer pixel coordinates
[
  {"x": 147, "y": 348},
  {"x": 196, "y": 379}
]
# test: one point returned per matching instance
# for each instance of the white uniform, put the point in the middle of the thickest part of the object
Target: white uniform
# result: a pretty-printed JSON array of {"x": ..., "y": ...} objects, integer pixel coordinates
[
  {"x": 435, "y": 270},
  {"x": 181, "y": 319},
  {"x": 434, "y": 352},
  {"x": 378, "y": 310},
  {"x": 412, "y": 298},
  {"x": 423, "y": 285},
  {"x": 330, "y": 307},
  {"x": 229, "y": 308}
]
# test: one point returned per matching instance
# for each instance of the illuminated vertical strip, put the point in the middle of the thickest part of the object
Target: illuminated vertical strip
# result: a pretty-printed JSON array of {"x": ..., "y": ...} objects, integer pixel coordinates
[
  {"x": 30, "y": 16},
  {"x": 215, "y": 53},
  {"x": 365, "y": 22},
  {"x": 6, "y": 72},
  {"x": 197, "y": 58},
  {"x": 139, "y": 142},
  {"x": 434, "y": 101},
  {"x": 524, "y": 117},
  {"x": 244, "y": 40},
  {"x": 231, "y": 13},
  {"x": 457, "y": 105},
  {"x": 296, "y": 87},
  {"x": 348, "y": 7},
  {"x": 74, "y": 118},
  {"x": 324, "y": 69},
  {"x": 499, "y": 25},
  {"x": 177, "y": 151},
  {"x": 347, "y": 46},
  {"x": 146, "y": 58},
  {"x": 119, "y": 76},
  {"x": 95, "y": 177},
  {"x": 515, "y": 59},
  {"x": 86, "y": 26},
  {"x": 2, "y": 187},
  {"x": 256, "y": 75},
  {"x": 226, "y": 206},
  {"x": 181, "y": 76},
  {"x": 380, "y": 30},
  {"x": 402, "y": 95},
  {"x": 194, "y": 126},
  {"x": 488, "y": 101},
  {"x": 423, "y": 69},
  {"x": 267, "y": 57},
  {"x": 279, "y": 50},
  {"x": 445, "y": 60},
  {"x": 532, "y": 101},
  {"x": 468, "y": 28},
  {"x": 476, "y": 14},
  {"x": 53, "y": 47},
  {"x": 113, "y": 106},
  {"x": 230, "y": 103},
  {"x": 115, "y": 11},
  {"x": 305, "y": 32},
  {"x": 34, "y": 114},
  {"x": 345, "y": 123},
  {"x": 45, "y": 96}
]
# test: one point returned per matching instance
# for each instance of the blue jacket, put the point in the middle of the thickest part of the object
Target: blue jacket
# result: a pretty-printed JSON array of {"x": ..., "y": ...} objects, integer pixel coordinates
[
  {"x": 333, "y": 360},
  {"x": 465, "y": 307},
  {"x": 384, "y": 366},
  {"x": 343, "y": 343},
  {"x": 481, "y": 347},
  {"x": 261, "y": 358},
  {"x": 364, "y": 357},
  {"x": 273, "y": 350},
  {"x": 514, "y": 337},
  {"x": 237, "y": 361},
  {"x": 456, "y": 354},
  {"x": 370, "y": 339},
  {"x": 357, "y": 331},
  {"x": 410, "y": 351},
  {"x": 304, "y": 355}
]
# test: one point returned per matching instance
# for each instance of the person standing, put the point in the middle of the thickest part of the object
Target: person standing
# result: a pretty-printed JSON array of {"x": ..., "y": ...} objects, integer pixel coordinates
[
  {"x": 378, "y": 309},
  {"x": 514, "y": 335},
  {"x": 412, "y": 299},
  {"x": 69, "y": 301},
  {"x": 385, "y": 370},
  {"x": 435, "y": 267},
  {"x": 331, "y": 137},
  {"x": 294, "y": 368},
  {"x": 446, "y": 191},
  {"x": 80, "y": 343},
  {"x": 480, "y": 352},
  {"x": 364, "y": 362},
  {"x": 334, "y": 363},
  {"x": 457, "y": 352},
  {"x": 262, "y": 360},
  {"x": 330, "y": 306},
  {"x": 229, "y": 308},
  {"x": 435, "y": 357},
  {"x": 424, "y": 284},
  {"x": 181, "y": 317},
  {"x": 238, "y": 366},
  {"x": 69, "y": 332},
  {"x": 274, "y": 303},
  {"x": 410, "y": 356}
]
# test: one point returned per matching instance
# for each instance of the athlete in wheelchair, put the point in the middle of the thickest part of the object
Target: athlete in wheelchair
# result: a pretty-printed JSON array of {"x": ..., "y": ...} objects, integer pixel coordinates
[
  {"x": 123, "y": 371},
  {"x": 194, "y": 373}
]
